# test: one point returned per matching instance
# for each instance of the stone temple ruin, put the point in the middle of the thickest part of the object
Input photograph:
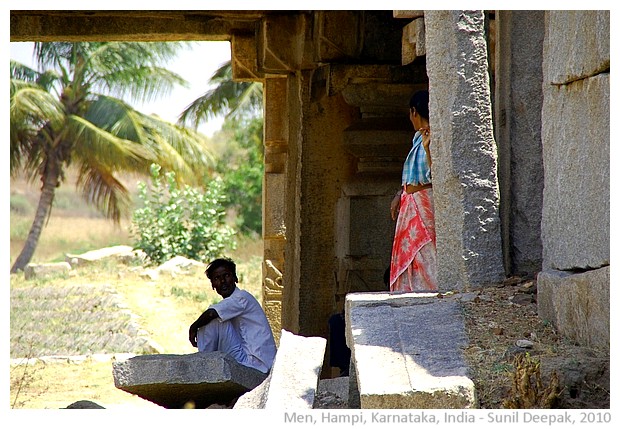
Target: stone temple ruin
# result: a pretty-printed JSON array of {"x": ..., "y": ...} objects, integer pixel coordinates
[{"x": 520, "y": 117}]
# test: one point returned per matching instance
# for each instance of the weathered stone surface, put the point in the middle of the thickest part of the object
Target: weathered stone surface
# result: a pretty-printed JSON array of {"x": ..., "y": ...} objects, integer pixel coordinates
[
  {"x": 256, "y": 398},
  {"x": 518, "y": 107},
  {"x": 96, "y": 255},
  {"x": 407, "y": 13},
  {"x": 84, "y": 404},
  {"x": 294, "y": 378},
  {"x": 295, "y": 372},
  {"x": 414, "y": 41},
  {"x": 577, "y": 304},
  {"x": 466, "y": 194},
  {"x": 179, "y": 264},
  {"x": 173, "y": 381},
  {"x": 412, "y": 358},
  {"x": 577, "y": 45},
  {"x": 576, "y": 151},
  {"x": 333, "y": 44},
  {"x": 32, "y": 271},
  {"x": 338, "y": 386}
]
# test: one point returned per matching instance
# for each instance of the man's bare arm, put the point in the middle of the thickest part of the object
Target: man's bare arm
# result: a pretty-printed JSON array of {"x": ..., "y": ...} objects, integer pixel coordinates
[{"x": 206, "y": 317}]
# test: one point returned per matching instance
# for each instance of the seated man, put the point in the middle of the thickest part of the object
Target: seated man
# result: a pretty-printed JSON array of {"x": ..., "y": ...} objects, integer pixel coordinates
[{"x": 236, "y": 325}]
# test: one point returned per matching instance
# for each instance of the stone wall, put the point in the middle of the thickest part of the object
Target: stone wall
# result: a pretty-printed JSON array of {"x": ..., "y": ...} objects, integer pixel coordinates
[
  {"x": 518, "y": 127},
  {"x": 576, "y": 209}
]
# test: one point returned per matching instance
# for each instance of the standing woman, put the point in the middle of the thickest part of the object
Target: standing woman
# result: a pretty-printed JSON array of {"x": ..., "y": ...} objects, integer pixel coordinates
[{"x": 414, "y": 257}]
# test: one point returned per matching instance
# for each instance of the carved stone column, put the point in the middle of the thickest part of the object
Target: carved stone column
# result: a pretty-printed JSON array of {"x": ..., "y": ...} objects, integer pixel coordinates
[{"x": 274, "y": 190}]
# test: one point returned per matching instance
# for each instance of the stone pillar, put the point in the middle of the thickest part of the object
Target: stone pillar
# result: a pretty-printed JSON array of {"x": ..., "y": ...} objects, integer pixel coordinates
[
  {"x": 573, "y": 288},
  {"x": 469, "y": 252},
  {"x": 274, "y": 187},
  {"x": 518, "y": 109},
  {"x": 322, "y": 165}
]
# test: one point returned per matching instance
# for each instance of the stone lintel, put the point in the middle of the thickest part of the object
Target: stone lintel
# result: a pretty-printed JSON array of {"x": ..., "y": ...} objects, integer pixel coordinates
[
  {"x": 406, "y": 350},
  {"x": 129, "y": 26}
]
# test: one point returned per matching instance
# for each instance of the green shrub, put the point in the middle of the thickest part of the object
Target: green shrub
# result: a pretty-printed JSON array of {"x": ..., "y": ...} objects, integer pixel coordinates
[{"x": 181, "y": 221}]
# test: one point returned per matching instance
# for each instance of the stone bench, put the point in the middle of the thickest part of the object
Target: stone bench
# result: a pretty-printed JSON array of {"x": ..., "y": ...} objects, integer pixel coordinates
[
  {"x": 406, "y": 352},
  {"x": 294, "y": 378},
  {"x": 178, "y": 381}
]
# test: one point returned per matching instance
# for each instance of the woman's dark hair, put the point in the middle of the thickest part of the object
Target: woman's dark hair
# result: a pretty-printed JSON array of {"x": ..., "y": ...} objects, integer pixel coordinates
[
  {"x": 419, "y": 102},
  {"x": 221, "y": 262}
]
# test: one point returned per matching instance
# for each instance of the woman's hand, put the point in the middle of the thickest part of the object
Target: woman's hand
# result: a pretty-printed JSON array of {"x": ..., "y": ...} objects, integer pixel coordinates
[
  {"x": 426, "y": 136},
  {"x": 426, "y": 143},
  {"x": 395, "y": 205}
]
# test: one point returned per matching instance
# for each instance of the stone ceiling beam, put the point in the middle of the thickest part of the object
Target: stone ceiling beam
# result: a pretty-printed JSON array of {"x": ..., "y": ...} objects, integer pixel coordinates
[{"x": 48, "y": 26}]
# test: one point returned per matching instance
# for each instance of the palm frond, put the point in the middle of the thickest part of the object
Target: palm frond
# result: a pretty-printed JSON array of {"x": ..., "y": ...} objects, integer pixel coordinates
[
  {"x": 104, "y": 148},
  {"x": 100, "y": 188},
  {"x": 130, "y": 69},
  {"x": 182, "y": 150},
  {"x": 33, "y": 112}
]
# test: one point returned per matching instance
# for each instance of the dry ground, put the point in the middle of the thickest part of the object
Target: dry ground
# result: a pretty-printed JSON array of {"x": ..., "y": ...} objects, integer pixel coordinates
[{"x": 496, "y": 318}]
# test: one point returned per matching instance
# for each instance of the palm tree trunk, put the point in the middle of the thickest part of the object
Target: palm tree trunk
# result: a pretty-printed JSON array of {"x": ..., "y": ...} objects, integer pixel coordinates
[{"x": 50, "y": 182}]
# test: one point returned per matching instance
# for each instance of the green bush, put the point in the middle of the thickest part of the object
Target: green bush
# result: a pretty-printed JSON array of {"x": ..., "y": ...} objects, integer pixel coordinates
[{"x": 181, "y": 221}]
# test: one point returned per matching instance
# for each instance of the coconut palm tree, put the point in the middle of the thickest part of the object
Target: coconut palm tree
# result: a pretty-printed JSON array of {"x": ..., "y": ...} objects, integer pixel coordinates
[
  {"x": 230, "y": 98},
  {"x": 72, "y": 113}
]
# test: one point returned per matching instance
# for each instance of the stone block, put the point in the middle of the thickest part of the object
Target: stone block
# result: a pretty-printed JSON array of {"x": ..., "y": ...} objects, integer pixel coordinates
[
  {"x": 577, "y": 45},
  {"x": 466, "y": 192},
  {"x": 577, "y": 304},
  {"x": 38, "y": 271},
  {"x": 576, "y": 156},
  {"x": 295, "y": 372},
  {"x": 294, "y": 378},
  {"x": 99, "y": 254},
  {"x": 174, "y": 381},
  {"x": 407, "y": 351},
  {"x": 334, "y": 44},
  {"x": 414, "y": 41},
  {"x": 244, "y": 58},
  {"x": 278, "y": 51},
  {"x": 407, "y": 13}
]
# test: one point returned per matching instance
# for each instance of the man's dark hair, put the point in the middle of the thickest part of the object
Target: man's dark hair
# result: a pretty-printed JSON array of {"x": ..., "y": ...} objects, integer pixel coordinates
[
  {"x": 221, "y": 262},
  {"x": 419, "y": 102}
]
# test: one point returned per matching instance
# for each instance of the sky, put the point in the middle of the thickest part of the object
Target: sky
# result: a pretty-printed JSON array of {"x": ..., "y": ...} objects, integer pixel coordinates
[{"x": 196, "y": 65}]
